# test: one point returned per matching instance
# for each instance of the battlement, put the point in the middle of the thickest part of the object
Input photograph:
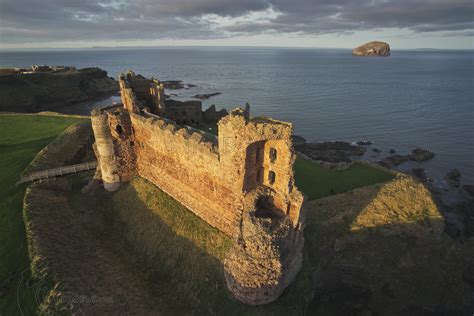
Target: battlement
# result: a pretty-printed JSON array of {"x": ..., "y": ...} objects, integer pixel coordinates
[
  {"x": 215, "y": 177},
  {"x": 195, "y": 137}
]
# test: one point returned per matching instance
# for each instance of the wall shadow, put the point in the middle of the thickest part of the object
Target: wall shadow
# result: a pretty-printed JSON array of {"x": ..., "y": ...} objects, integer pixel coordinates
[
  {"x": 149, "y": 254},
  {"x": 365, "y": 258},
  {"x": 178, "y": 254}
]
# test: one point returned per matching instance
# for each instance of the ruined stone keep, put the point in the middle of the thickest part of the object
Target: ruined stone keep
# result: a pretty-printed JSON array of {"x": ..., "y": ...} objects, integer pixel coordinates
[{"x": 240, "y": 182}]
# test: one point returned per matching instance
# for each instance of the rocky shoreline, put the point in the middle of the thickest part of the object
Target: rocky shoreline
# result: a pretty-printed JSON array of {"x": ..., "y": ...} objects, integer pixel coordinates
[
  {"x": 332, "y": 152},
  {"x": 206, "y": 96},
  {"x": 341, "y": 151},
  {"x": 455, "y": 199},
  {"x": 177, "y": 85}
]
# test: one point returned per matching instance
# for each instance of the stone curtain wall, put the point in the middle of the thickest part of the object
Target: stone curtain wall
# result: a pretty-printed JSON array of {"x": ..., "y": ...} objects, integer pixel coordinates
[
  {"x": 128, "y": 97},
  {"x": 185, "y": 164},
  {"x": 189, "y": 112},
  {"x": 210, "y": 176}
]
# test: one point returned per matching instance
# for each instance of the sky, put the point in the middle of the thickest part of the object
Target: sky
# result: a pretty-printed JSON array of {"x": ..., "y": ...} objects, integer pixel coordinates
[{"x": 404, "y": 24}]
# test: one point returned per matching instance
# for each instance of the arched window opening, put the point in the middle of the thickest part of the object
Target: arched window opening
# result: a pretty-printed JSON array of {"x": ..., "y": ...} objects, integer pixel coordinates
[
  {"x": 273, "y": 154},
  {"x": 271, "y": 177},
  {"x": 119, "y": 129}
]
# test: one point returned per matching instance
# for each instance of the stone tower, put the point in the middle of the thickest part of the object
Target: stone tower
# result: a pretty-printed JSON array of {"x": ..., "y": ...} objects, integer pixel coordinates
[
  {"x": 105, "y": 150},
  {"x": 157, "y": 93},
  {"x": 267, "y": 253},
  {"x": 259, "y": 153}
]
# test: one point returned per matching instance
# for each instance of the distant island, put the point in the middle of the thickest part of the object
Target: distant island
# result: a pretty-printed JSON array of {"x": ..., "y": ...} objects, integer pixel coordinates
[{"x": 374, "y": 48}]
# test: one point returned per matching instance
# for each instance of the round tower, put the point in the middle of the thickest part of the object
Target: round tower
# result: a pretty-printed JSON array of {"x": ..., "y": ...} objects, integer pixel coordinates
[{"x": 105, "y": 150}]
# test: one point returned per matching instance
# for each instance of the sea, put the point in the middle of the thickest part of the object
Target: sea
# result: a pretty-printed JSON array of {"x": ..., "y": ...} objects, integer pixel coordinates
[{"x": 417, "y": 98}]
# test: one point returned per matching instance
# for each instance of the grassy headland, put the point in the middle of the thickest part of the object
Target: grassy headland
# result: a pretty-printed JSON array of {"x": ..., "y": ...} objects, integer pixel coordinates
[
  {"x": 21, "y": 138},
  {"x": 379, "y": 247},
  {"x": 52, "y": 91},
  {"x": 369, "y": 245},
  {"x": 317, "y": 182}
]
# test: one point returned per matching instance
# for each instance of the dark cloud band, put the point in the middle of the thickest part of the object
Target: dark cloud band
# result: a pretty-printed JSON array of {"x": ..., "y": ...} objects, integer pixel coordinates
[{"x": 23, "y": 21}]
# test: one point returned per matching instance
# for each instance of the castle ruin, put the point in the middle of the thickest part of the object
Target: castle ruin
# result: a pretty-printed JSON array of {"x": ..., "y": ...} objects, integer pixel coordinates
[{"x": 240, "y": 182}]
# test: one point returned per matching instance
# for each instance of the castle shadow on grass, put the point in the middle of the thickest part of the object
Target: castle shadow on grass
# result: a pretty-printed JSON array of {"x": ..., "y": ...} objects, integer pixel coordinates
[{"x": 354, "y": 259}]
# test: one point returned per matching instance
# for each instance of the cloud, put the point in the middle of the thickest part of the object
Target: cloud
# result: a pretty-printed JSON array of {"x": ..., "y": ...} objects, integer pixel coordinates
[{"x": 32, "y": 21}]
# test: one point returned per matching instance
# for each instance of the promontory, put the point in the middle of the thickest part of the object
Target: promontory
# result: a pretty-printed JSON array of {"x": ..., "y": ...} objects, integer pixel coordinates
[{"x": 52, "y": 88}]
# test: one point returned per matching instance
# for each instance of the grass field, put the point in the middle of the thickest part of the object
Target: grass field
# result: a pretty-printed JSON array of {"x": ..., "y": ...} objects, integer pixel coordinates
[
  {"x": 21, "y": 137},
  {"x": 317, "y": 182}
]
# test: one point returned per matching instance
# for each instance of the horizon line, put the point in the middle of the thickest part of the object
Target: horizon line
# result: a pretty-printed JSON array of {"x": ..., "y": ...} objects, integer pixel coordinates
[{"x": 98, "y": 47}]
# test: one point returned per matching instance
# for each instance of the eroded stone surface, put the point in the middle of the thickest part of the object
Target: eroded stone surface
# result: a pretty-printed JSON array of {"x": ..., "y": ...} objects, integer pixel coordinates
[{"x": 265, "y": 258}]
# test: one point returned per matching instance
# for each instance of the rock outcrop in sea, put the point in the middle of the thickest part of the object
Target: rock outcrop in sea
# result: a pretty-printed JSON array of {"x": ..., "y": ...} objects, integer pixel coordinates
[
  {"x": 333, "y": 152},
  {"x": 418, "y": 155},
  {"x": 374, "y": 48}
]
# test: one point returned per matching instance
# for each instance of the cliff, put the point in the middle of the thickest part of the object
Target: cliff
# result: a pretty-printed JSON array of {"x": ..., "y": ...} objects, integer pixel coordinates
[
  {"x": 374, "y": 48},
  {"x": 52, "y": 91}
]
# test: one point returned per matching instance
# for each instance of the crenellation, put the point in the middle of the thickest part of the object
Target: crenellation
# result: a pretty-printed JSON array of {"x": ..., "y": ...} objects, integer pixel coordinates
[
  {"x": 171, "y": 128},
  {"x": 183, "y": 132},
  {"x": 227, "y": 180}
]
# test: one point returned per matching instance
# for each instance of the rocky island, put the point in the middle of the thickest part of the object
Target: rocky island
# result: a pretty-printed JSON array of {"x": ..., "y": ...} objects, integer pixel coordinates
[
  {"x": 52, "y": 88},
  {"x": 374, "y": 48}
]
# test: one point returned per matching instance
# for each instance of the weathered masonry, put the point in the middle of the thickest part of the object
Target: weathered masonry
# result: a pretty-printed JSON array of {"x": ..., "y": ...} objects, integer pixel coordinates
[
  {"x": 240, "y": 182},
  {"x": 138, "y": 92}
]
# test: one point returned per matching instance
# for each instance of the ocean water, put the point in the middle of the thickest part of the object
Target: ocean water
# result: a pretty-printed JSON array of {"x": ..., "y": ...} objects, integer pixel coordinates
[{"x": 410, "y": 99}]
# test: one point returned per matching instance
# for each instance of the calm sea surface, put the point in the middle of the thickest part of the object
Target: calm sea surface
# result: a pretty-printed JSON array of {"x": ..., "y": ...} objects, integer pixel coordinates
[{"x": 410, "y": 99}]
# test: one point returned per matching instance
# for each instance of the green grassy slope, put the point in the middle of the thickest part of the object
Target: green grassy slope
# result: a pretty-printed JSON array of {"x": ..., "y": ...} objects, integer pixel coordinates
[
  {"x": 317, "y": 182},
  {"x": 382, "y": 248},
  {"x": 21, "y": 137},
  {"x": 183, "y": 256}
]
